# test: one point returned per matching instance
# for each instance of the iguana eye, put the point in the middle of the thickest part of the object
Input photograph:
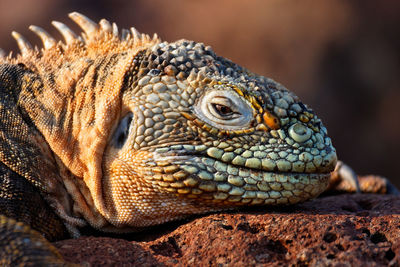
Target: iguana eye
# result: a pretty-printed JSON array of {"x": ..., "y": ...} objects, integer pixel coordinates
[
  {"x": 122, "y": 132},
  {"x": 224, "y": 109},
  {"x": 221, "y": 110}
]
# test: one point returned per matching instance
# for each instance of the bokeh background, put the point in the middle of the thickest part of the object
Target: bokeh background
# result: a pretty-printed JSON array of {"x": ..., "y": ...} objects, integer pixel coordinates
[{"x": 341, "y": 57}]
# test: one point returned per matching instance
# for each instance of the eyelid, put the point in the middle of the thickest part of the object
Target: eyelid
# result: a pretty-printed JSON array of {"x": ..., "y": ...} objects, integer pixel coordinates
[{"x": 221, "y": 100}]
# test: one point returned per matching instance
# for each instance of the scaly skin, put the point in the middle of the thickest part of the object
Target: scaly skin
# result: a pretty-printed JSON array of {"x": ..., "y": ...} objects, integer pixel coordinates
[
  {"x": 143, "y": 132},
  {"x": 123, "y": 131}
]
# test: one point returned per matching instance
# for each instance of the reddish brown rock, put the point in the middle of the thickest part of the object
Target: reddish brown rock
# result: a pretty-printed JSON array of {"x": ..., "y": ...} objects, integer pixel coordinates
[{"x": 343, "y": 230}]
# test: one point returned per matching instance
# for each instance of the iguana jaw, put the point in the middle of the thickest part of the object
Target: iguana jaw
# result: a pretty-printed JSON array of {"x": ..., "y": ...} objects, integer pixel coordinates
[
  {"x": 193, "y": 175},
  {"x": 187, "y": 182},
  {"x": 184, "y": 187}
]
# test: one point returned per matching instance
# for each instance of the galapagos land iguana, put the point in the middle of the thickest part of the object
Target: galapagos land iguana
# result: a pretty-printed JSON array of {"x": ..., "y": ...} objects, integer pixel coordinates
[{"x": 119, "y": 131}]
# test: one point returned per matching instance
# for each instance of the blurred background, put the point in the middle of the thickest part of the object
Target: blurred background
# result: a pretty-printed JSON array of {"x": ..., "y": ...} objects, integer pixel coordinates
[{"x": 341, "y": 57}]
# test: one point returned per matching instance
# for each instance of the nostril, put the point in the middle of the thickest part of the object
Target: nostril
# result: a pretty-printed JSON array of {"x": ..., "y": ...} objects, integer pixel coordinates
[{"x": 299, "y": 133}]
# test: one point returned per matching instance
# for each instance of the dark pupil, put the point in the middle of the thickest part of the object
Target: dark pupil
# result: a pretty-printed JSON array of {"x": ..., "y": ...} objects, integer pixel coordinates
[{"x": 223, "y": 110}]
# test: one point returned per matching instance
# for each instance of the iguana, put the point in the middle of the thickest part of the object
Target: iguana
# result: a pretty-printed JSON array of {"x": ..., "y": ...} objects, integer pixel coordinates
[{"x": 120, "y": 131}]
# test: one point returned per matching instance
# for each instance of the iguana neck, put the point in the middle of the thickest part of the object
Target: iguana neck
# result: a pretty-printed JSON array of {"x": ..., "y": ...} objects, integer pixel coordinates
[
  {"x": 67, "y": 105},
  {"x": 75, "y": 107}
]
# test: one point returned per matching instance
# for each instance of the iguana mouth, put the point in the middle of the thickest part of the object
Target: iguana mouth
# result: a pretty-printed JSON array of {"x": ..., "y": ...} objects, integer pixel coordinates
[
  {"x": 283, "y": 162},
  {"x": 197, "y": 175}
]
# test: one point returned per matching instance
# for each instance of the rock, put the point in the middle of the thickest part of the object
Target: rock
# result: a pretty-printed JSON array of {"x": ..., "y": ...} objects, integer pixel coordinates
[{"x": 341, "y": 230}]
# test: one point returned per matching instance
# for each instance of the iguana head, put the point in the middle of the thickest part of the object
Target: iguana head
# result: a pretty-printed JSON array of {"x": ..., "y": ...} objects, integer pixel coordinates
[
  {"x": 176, "y": 130},
  {"x": 205, "y": 133}
]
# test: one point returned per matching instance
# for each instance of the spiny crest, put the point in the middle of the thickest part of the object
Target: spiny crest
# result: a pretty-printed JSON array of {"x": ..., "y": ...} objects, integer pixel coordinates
[{"x": 99, "y": 37}]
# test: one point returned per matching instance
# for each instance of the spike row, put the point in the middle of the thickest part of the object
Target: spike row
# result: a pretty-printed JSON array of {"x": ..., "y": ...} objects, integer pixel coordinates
[{"x": 89, "y": 27}]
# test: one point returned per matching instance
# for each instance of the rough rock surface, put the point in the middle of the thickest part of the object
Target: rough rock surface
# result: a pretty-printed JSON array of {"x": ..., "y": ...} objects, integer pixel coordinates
[{"x": 341, "y": 230}]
